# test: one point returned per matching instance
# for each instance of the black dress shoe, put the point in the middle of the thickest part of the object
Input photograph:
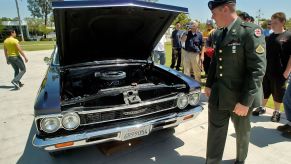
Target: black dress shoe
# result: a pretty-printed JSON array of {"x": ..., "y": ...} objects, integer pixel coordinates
[
  {"x": 259, "y": 111},
  {"x": 20, "y": 84},
  {"x": 287, "y": 134},
  {"x": 284, "y": 128}
]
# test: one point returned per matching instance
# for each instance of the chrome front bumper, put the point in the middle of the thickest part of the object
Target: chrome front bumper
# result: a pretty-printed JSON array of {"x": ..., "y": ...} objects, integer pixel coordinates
[{"x": 114, "y": 134}]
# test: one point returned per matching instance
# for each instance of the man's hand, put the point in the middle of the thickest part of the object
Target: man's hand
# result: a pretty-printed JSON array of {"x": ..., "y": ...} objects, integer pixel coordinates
[
  {"x": 207, "y": 91},
  {"x": 286, "y": 74},
  {"x": 241, "y": 110}
]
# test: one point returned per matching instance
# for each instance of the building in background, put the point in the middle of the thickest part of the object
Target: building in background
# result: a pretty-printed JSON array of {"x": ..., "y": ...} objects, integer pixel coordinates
[{"x": 14, "y": 25}]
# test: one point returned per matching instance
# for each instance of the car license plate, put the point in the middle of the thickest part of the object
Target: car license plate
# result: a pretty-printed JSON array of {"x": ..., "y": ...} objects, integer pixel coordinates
[{"x": 135, "y": 132}]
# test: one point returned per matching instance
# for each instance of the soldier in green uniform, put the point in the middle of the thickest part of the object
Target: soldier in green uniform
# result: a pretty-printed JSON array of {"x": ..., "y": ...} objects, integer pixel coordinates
[{"x": 234, "y": 84}]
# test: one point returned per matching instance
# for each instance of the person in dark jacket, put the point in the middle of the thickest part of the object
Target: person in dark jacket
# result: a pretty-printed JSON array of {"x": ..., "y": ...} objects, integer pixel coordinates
[
  {"x": 176, "y": 47},
  {"x": 234, "y": 83}
]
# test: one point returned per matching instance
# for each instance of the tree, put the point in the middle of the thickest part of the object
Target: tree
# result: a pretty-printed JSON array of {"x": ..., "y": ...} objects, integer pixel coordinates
[
  {"x": 264, "y": 23},
  {"x": 288, "y": 24},
  {"x": 183, "y": 19},
  {"x": 40, "y": 9},
  {"x": 34, "y": 25},
  {"x": 5, "y": 19},
  {"x": 1, "y": 27}
]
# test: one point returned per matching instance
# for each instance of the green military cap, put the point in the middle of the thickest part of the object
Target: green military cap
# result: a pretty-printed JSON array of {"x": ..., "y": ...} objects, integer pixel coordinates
[{"x": 215, "y": 3}]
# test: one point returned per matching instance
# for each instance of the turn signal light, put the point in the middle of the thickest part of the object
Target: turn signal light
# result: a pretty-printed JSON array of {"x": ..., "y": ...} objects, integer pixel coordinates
[
  {"x": 66, "y": 144},
  {"x": 188, "y": 117}
]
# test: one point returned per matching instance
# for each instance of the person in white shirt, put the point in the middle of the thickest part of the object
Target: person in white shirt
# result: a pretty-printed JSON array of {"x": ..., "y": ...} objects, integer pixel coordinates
[{"x": 159, "y": 52}]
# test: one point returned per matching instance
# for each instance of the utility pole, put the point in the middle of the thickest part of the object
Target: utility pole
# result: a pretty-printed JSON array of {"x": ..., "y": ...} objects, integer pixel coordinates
[
  {"x": 19, "y": 20},
  {"x": 259, "y": 16}
]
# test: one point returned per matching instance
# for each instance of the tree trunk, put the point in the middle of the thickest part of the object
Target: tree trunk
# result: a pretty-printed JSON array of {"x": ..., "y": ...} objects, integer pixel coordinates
[{"x": 45, "y": 17}]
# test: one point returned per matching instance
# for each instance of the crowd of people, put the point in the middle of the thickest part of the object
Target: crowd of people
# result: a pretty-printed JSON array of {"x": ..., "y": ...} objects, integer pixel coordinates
[{"x": 244, "y": 65}]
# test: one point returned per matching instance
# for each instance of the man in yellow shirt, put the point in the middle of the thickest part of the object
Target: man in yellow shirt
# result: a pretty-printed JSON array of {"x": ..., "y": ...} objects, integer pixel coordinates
[{"x": 12, "y": 50}]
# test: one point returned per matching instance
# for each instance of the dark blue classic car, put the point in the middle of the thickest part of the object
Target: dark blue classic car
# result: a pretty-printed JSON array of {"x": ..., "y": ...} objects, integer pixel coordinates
[{"x": 100, "y": 85}]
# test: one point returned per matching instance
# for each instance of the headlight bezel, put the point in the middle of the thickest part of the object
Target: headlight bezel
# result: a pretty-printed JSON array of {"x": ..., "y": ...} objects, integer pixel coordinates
[
  {"x": 186, "y": 98},
  {"x": 43, "y": 128},
  {"x": 68, "y": 115},
  {"x": 196, "y": 102}
]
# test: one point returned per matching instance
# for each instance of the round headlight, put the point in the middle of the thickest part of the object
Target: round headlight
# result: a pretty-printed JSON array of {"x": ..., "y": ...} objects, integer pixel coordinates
[
  {"x": 50, "y": 125},
  {"x": 182, "y": 101},
  {"x": 71, "y": 121},
  {"x": 194, "y": 99}
]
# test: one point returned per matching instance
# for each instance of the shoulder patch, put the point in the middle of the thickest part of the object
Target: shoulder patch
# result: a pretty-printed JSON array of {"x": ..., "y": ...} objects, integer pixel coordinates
[
  {"x": 260, "y": 49},
  {"x": 258, "y": 32}
]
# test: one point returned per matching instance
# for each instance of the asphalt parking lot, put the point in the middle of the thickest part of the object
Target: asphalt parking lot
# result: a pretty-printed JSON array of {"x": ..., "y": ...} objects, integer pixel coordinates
[{"x": 184, "y": 145}]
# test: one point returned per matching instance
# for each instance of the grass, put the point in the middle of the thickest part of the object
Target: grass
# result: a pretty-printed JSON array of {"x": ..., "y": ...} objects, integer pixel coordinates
[
  {"x": 168, "y": 47},
  {"x": 35, "y": 45}
]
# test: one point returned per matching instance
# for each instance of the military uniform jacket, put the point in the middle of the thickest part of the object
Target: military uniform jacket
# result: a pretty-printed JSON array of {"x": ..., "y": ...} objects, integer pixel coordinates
[{"x": 238, "y": 67}]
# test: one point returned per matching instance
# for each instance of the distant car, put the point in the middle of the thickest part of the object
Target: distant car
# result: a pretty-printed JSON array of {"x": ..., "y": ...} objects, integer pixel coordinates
[{"x": 100, "y": 85}]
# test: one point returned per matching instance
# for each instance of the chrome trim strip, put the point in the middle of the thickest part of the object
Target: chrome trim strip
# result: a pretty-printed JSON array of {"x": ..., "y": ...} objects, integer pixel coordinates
[
  {"x": 106, "y": 109},
  {"x": 125, "y": 106},
  {"x": 129, "y": 117},
  {"x": 81, "y": 138}
]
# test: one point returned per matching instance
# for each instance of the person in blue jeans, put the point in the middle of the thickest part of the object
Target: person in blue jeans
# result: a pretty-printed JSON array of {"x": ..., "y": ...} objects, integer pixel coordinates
[{"x": 286, "y": 129}]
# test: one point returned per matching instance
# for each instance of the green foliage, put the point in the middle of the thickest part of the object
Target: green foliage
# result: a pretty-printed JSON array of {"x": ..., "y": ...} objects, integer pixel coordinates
[
  {"x": 1, "y": 27},
  {"x": 45, "y": 30},
  {"x": 183, "y": 19},
  {"x": 5, "y": 19},
  {"x": 264, "y": 24},
  {"x": 36, "y": 26},
  {"x": 40, "y": 8},
  {"x": 288, "y": 24}
]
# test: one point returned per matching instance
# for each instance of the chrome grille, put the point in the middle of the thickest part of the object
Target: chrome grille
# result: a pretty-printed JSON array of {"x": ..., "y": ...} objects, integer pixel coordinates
[{"x": 127, "y": 113}]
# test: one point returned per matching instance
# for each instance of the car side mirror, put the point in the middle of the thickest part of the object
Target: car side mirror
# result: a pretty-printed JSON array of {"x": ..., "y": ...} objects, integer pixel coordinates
[{"x": 47, "y": 60}]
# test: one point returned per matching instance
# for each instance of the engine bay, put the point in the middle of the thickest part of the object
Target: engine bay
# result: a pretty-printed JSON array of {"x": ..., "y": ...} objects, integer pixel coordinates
[{"x": 123, "y": 84}]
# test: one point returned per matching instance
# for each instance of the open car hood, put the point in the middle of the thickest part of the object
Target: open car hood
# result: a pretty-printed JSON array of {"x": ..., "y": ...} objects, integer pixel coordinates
[{"x": 110, "y": 29}]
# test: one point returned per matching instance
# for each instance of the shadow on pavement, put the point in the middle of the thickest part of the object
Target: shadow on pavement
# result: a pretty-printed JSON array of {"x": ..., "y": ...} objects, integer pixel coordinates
[
  {"x": 6, "y": 87},
  {"x": 158, "y": 148},
  {"x": 263, "y": 137},
  {"x": 262, "y": 118}
]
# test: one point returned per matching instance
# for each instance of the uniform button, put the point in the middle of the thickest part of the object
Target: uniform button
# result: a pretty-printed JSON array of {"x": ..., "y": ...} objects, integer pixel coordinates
[
  {"x": 220, "y": 59},
  {"x": 220, "y": 67},
  {"x": 220, "y": 51},
  {"x": 220, "y": 75}
]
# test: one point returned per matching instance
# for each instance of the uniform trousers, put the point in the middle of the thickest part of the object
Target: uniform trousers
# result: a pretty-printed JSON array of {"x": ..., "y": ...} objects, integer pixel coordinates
[{"x": 218, "y": 121}]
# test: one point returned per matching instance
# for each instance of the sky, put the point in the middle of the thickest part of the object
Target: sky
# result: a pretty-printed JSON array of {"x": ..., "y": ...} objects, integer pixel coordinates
[{"x": 198, "y": 9}]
